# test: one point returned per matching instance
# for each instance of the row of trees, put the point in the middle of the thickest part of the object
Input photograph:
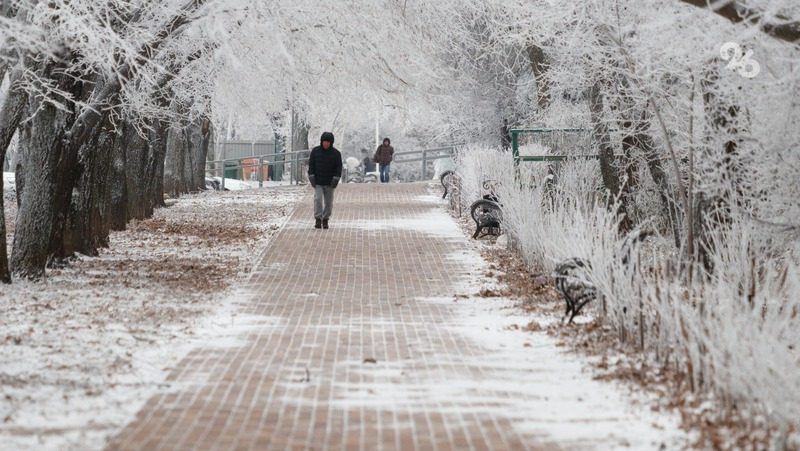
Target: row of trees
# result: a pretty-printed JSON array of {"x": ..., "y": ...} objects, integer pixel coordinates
[
  {"x": 90, "y": 95},
  {"x": 692, "y": 142},
  {"x": 697, "y": 139},
  {"x": 115, "y": 103}
]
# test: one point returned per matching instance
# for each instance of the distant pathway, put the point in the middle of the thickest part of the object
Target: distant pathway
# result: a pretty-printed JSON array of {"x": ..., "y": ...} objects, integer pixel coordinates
[{"x": 356, "y": 343}]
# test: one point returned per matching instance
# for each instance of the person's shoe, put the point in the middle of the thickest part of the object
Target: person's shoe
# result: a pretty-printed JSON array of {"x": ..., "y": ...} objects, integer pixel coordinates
[
  {"x": 324, "y": 223},
  {"x": 318, "y": 224}
]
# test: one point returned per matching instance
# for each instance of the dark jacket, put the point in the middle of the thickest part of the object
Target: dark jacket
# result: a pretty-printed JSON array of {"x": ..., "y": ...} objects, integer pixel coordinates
[
  {"x": 384, "y": 154},
  {"x": 323, "y": 164},
  {"x": 369, "y": 164}
]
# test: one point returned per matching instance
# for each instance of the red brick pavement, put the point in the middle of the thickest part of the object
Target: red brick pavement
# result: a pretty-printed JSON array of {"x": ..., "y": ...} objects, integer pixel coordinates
[{"x": 331, "y": 299}]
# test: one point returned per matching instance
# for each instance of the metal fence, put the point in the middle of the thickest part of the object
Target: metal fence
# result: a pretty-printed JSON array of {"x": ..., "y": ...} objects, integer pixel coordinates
[
  {"x": 232, "y": 150},
  {"x": 240, "y": 162},
  {"x": 260, "y": 168},
  {"x": 551, "y": 144},
  {"x": 424, "y": 156}
]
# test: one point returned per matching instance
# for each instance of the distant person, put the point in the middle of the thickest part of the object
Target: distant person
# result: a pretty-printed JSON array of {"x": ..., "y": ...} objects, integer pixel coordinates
[
  {"x": 324, "y": 173},
  {"x": 383, "y": 156},
  {"x": 367, "y": 162}
]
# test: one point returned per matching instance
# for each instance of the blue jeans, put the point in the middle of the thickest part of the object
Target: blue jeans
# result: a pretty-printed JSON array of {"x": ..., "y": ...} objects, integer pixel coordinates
[{"x": 384, "y": 173}]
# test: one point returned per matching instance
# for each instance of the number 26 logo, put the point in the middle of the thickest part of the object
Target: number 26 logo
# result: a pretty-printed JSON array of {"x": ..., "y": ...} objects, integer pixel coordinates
[{"x": 739, "y": 61}]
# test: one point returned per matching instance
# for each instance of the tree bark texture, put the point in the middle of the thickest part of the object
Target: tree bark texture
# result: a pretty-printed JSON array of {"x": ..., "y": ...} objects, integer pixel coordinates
[
  {"x": 602, "y": 137},
  {"x": 156, "y": 165},
  {"x": 10, "y": 116},
  {"x": 47, "y": 167},
  {"x": 175, "y": 164},
  {"x": 118, "y": 209},
  {"x": 89, "y": 220}
]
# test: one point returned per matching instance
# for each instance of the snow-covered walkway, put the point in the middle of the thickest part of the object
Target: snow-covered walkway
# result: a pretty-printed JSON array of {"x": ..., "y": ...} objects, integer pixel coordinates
[{"x": 371, "y": 335}]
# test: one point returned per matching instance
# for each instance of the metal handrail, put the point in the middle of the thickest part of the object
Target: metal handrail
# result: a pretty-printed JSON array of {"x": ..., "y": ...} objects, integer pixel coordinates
[
  {"x": 262, "y": 162},
  {"x": 294, "y": 158},
  {"x": 435, "y": 149},
  {"x": 261, "y": 156},
  {"x": 425, "y": 158}
]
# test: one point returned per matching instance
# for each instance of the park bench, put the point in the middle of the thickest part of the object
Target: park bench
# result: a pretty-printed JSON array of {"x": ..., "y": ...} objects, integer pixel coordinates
[
  {"x": 447, "y": 178},
  {"x": 487, "y": 213},
  {"x": 572, "y": 280},
  {"x": 572, "y": 275}
]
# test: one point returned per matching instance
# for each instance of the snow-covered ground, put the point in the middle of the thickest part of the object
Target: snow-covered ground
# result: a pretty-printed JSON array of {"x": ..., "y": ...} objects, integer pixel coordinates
[
  {"x": 550, "y": 394},
  {"x": 554, "y": 391},
  {"x": 82, "y": 351},
  {"x": 238, "y": 185}
]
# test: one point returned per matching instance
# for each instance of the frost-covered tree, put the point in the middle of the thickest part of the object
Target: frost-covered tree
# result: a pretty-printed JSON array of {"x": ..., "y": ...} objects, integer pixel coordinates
[{"x": 103, "y": 94}]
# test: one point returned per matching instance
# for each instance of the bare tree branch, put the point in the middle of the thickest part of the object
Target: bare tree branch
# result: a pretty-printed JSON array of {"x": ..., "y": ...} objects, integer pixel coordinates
[{"x": 733, "y": 10}]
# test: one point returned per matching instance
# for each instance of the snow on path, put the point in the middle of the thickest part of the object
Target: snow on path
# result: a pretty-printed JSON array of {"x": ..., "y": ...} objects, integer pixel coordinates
[
  {"x": 371, "y": 336},
  {"x": 525, "y": 376}
]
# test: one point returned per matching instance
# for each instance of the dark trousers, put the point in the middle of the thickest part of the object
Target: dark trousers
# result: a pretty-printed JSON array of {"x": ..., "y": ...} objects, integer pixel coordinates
[{"x": 384, "y": 173}]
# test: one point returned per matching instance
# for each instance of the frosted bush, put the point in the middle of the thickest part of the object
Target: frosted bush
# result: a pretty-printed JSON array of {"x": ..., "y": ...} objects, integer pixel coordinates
[{"x": 736, "y": 328}]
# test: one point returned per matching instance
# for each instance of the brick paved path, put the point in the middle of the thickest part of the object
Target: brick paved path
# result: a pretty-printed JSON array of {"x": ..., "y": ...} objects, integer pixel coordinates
[{"x": 331, "y": 300}]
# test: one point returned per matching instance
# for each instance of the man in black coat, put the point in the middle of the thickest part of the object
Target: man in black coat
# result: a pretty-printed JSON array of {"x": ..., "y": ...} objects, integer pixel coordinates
[{"x": 324, "y": 173}]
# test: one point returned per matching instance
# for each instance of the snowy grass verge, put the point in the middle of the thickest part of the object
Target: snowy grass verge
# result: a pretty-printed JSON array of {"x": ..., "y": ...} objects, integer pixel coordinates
[
  {"x": 82, "y": 351},
  {"x": 731, "y": 334}
]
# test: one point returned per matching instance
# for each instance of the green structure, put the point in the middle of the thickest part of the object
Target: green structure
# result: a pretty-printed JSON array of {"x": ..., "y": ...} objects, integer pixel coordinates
[{"x": 233, "y": 170}]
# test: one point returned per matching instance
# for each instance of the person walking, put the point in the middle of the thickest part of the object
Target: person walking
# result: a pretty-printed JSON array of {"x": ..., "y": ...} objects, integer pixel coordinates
[
  {"x": 383, "y": 156},
  {"x": 324, "y": 173},
  {"x": 367, "y": 163}
]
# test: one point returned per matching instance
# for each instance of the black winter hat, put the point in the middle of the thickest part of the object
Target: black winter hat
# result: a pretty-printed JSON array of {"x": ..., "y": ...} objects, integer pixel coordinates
[
  {"x": 387, "y": 140},
  {"x": 326, "y": 136}
]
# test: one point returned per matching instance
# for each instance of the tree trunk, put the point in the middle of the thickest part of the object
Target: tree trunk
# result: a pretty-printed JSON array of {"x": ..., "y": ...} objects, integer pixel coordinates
[
  {"x": 723, "y": 118},
  {"x": 781, "y": 27},
  {"x": 644, "y": 142},
  {"x": 174, "y": 167},
  {"x": 636, "y": 136},
  {"x": 722, "y": 132},
  {"x": 199, "y": 137},
  {"x": 10, "y": 116},
  {"x": 190, "y": 143},
  {"x": 156, "y": 171},
  {"x": 608, "y": 167},
  {"x": 5, "y": 274},
  {"x": 300, "y": 137},
  {"x": 206, "y": 137},
  {"x": 539, "y": 65},
  {"x": 300, "y": 142},
  {"x": 137, "y": 151},
  {"x": 47, "y": 167},
  {"x": 602, "y": 137},
  {"x": 88, "y": 222},
  {"x": 118, "y": 210},
  {"x": 11, "y": 112}
]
